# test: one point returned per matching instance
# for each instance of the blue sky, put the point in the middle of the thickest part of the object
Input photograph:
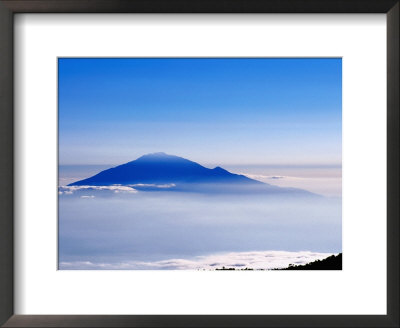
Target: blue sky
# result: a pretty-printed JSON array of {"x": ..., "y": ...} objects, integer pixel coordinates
[{"x": 213, "y": 111}]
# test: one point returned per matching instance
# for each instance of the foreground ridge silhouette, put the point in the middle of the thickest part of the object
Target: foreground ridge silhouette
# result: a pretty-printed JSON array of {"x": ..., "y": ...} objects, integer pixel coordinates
[{"x": 333, "y": 262}]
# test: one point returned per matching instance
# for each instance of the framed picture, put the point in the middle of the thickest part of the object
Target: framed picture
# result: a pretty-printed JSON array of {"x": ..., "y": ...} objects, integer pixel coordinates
[{"x": 191, "y": 164}]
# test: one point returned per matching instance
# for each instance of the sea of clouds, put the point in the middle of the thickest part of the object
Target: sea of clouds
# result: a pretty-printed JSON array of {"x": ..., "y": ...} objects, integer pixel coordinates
[
  {"x": 239, "y": 260},
  {"x": 119, "y": 227}
]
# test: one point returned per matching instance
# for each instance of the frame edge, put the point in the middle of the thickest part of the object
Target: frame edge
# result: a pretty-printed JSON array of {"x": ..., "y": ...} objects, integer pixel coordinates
[
  {"x": 6, "y": 165},
  {"x": 203, "y": 6},
  {"x": 6, "y": 204},
  {"x": 393, "y": 180}
]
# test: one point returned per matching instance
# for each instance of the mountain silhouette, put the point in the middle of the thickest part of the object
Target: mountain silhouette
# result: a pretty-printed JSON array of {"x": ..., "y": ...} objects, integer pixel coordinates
[{"x": 152, "y": 170}]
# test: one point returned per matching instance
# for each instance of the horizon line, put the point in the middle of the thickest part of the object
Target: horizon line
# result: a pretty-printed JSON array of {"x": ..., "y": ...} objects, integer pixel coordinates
[{"x": 331, "y": 165}]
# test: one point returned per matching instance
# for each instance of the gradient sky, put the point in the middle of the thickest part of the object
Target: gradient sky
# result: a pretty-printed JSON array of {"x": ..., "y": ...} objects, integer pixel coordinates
[{"x": 212, "y": 111}]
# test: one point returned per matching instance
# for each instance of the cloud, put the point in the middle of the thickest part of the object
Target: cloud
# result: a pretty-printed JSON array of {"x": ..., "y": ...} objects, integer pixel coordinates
[
  {"x": 261, "y": 176},
  {"x": 161, "y": 186},
  {"x": 115, "y": 188},
  {"x": 238, "y": 260}
]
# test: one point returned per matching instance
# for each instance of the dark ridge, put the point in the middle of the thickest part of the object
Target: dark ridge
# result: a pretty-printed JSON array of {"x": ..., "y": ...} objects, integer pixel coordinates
[{"x": 333, "y": 262}]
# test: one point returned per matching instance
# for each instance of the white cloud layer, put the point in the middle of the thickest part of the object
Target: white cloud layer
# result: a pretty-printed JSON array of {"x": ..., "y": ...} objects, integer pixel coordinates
[
  {"x": 262, "y": 176},
  {"x": 238, "y": 260},
  {"x": 117, "y": 188},
  {"x": 161, "y": 186}
]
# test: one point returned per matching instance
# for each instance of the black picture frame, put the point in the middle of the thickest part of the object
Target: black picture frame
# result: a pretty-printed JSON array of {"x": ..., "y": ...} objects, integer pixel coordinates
[{"x": 10, "y": 7}]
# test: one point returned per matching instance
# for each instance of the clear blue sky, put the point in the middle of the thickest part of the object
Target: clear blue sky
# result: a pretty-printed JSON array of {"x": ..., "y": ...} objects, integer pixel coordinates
[{"x": 213, "y": 111}]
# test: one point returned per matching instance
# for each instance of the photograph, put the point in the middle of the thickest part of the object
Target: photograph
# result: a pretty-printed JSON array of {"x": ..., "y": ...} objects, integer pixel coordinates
[{"x": 205, "y": 164}]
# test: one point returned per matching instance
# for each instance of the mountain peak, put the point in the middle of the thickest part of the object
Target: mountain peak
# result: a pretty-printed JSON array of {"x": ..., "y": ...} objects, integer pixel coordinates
[
  {"x": 159, "y": 153},
  {"x": 159, "y": 156}
]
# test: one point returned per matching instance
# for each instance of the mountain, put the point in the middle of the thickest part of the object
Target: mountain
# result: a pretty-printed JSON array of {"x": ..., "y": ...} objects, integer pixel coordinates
[
  {"x": 160, "y": 168},
  {"x": 161, "y": 171}
]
